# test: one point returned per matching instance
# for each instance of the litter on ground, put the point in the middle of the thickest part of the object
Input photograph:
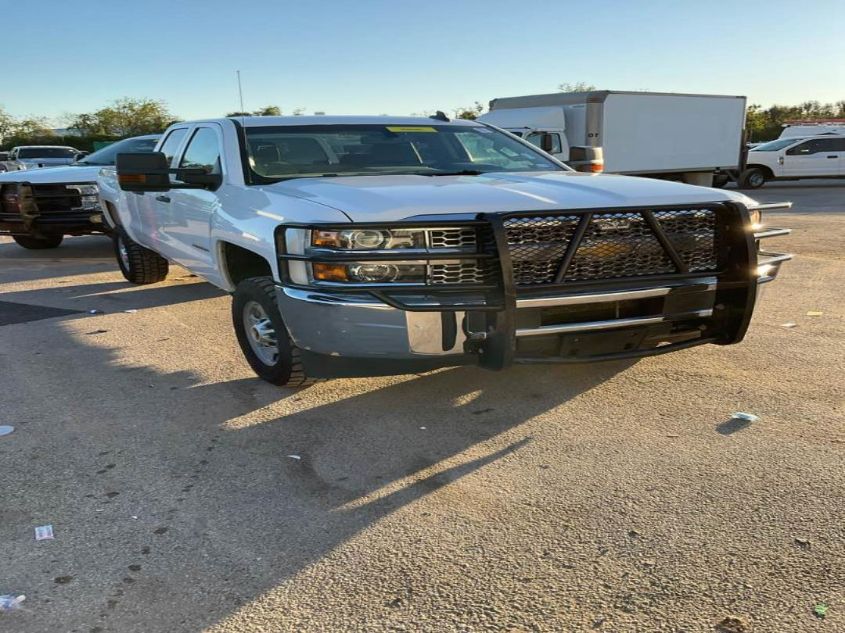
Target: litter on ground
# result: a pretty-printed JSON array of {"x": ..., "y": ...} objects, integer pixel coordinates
[
  {"x": 741, "y": 415},
  {"x": 44, "y": 533},
  {"x": 814, "y": 313},
  {"x": 294, "y": 456},
  {"x": 790, "y": 324},
  {"x": 6, "y": 429},
  {"x": 9, "y": 602}
]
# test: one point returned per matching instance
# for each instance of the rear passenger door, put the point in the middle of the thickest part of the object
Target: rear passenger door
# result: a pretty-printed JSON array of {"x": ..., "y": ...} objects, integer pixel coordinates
[{"x": 193, "y": 209}]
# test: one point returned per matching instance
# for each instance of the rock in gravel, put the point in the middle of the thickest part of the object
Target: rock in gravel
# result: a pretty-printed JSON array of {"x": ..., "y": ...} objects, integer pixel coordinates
[{"x": 732, "y": 625}]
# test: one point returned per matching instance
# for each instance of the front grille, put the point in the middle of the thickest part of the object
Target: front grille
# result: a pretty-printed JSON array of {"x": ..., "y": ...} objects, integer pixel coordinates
[
  {"x": 614, "y": 245},
  {"x": 452, "y": 237},
  {"x": 56, "y": 198},
  {"x": 465, "y": 272}
]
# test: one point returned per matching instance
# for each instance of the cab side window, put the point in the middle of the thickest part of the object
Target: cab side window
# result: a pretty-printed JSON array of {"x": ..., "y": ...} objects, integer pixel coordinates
[
  {"x": 816, "y": 146},
  {"x": 203, "y": 152},
  {"x": 172, "y": 143}
]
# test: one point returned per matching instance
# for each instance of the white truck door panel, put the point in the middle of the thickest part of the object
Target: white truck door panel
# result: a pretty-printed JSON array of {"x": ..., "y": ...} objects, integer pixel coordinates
[
  {"x": 192, "y": 210},
  {"x": 814, "y": 157},
  {"x": 154, "y": 214}
]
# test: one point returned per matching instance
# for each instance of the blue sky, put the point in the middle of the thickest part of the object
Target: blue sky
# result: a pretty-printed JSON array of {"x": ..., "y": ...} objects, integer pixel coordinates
[{"x": 375, "y": 56}]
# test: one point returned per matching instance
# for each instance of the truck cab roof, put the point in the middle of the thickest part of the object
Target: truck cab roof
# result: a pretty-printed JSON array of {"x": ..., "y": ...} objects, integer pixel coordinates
[{"x": 265, "y": 121}]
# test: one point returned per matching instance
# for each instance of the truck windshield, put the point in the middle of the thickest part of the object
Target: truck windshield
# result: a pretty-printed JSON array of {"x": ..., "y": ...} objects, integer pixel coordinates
[
  {"x": 46, "y": 152},
  {"x": 773, "y": 146},
  {"x": 283, "y": 152},
  {"x": 108, "y": 155}
]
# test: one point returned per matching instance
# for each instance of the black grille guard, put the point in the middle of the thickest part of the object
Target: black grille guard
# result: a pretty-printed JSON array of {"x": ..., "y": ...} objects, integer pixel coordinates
[{"x": 496, "y": 303}]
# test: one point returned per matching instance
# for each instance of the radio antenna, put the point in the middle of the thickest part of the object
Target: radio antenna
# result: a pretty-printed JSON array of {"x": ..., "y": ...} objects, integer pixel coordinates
[{"x": 240, "y": 90}]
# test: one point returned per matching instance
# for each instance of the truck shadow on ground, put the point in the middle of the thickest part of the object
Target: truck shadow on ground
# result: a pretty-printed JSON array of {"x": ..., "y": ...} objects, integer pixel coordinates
[
  {"x": 238, "y": 486},
  {"x": 116, "y": 296}
]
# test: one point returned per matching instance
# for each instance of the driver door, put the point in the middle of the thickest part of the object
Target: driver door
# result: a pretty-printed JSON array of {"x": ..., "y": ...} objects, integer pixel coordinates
[{"x": 814, "y": 157}]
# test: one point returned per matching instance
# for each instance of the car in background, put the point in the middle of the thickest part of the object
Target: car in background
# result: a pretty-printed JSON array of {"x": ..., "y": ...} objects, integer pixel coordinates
[
  {"x": 821, "y": 156},
  {"x": 6, "y": 164},
  {"x": 36, "y": 156},
  {"x": 39, "y": 207}
]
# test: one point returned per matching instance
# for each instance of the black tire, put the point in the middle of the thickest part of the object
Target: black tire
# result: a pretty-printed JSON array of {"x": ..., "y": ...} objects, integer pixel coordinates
[
  {"x": 38, "y": 243},
  {"x": 287, "y": 369},
  {"x": 720, "y": 181},
  {"x": 753, "y": 178},
  {"x": 139, "y": 265}
]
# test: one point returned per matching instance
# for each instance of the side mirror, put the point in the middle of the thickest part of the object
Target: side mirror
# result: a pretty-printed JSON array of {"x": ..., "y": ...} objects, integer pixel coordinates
[
  {"x": 199, "y": 178},
  {"x": 143, "y": 171},
  {"x": 585, "y": 158},
  {"x": 546, "y": 143}
]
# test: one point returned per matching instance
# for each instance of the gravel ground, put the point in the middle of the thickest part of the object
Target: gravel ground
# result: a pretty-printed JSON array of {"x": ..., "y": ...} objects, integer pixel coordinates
[{"x": 186, "y": 495}]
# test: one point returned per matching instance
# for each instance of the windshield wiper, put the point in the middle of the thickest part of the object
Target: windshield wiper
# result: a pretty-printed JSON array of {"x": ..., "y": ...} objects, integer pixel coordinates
[{"x": 461, "y": 172}]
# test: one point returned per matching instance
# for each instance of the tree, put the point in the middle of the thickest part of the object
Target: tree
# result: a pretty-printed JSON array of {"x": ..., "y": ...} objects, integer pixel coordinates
[
  {"x": 125, "y": 117},
  {"x": 578, "y": 86},
  {"x": 269, "y": 110},
  {"x": 471, "y": 113},
  {"x": 32, "y": 127},
  {"x": 6, "y": 124},
  {"x": 767, "y": 124}
]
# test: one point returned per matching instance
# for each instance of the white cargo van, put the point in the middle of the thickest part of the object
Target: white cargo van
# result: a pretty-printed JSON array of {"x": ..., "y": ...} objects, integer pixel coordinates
[{"x": 685, "y": 136}]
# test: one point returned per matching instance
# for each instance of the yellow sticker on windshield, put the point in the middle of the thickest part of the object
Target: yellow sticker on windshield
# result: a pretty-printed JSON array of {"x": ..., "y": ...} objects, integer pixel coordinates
[{"x": 409, "y": 128}]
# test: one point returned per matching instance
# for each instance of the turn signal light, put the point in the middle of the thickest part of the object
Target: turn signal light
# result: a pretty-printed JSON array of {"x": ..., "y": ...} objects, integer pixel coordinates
[
  {"x": 131, "y": 179},
  {"x": 330, "y": 272}
]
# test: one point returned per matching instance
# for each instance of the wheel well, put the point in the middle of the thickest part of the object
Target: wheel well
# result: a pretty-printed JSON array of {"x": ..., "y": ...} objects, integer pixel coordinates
[
  {"x": 112, "y": 213},
  {"x": 242, "y": 264},
  {"x": 767, "y": 170}
]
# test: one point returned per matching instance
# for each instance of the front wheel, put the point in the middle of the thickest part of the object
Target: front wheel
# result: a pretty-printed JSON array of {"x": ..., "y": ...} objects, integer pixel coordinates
[
  {"x": 753, "y": 178},
  {"x": 263, "y": 336},
  {"x": 38, "y": 243},
  {"x": 138, "y": 264}
]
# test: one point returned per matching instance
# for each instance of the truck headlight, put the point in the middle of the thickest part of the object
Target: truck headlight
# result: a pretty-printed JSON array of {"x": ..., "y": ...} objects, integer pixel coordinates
[
  {"x": 87, "y": 194},
  {"x": 368, "y": 239},
  {"x": 756, "y": 218},
  {"x": 375, "y": 255},
  {"x": 369, "y": 272}
]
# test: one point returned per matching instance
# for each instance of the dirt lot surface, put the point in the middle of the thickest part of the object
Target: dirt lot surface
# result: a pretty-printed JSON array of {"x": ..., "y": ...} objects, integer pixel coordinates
[{"x": 186, "y": 495}]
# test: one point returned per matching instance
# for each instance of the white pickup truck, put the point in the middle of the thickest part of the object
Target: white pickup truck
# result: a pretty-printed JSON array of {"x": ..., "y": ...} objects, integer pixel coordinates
[
  {"x": 375, "y": 245},
  {"x": 793, "y": 158}
]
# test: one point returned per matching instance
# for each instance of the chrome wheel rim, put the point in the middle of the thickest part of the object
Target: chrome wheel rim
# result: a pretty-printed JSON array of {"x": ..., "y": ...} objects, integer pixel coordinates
[
  {"x": 122, "y": 253},
  {"x": 757, "y": 179},
  {"x": 260, "y": 333}
]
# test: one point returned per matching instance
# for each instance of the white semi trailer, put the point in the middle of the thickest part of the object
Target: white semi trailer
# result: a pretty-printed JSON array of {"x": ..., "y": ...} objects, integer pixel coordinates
[{"x": 687, "y": 137}]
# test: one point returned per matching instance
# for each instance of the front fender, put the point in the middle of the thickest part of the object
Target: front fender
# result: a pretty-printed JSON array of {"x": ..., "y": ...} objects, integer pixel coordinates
[{"x": 248, "y": 217}]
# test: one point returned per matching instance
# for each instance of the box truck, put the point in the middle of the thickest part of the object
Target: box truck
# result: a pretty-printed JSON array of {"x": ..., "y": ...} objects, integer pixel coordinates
[{"x": 686, "y": 137}]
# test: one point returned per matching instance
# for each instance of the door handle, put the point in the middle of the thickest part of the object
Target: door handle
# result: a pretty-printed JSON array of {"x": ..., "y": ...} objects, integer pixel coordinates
[
  {"x": 163, "y": 198},
  {"x": 833, "y": 156}
]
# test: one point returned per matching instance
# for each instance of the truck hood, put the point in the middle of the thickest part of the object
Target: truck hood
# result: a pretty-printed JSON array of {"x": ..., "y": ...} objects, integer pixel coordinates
[
  {"x": 387, "y": 198},
  {"x": 69, "y": 174}
]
